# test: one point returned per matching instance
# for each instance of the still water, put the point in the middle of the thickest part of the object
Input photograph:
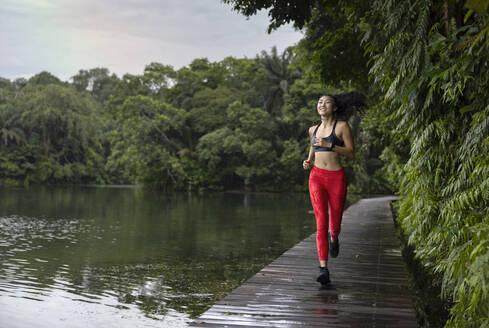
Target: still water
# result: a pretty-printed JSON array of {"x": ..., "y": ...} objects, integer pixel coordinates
[{"x": 126, "y": 257}]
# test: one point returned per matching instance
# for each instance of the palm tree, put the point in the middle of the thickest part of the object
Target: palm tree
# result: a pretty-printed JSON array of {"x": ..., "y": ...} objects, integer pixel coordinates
[
  {"x": 280, "y": 77},
  {"x": 10, "y": 128}
]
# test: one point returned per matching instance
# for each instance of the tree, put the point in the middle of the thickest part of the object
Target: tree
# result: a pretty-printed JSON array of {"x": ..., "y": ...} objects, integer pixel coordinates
[
  {"x": 10, "y": 128},
  {"x": 144, "y": 148},
  {"x": 428, "y": 75},
  {"x": 247, "y": 78},
  {"x": 219, "y": 153},
  {"x": 280, "y": 76},
  {"x": 254, "y": 128},
  {"x": 332, "y": 44},
  {"x": 281, "y": 12},
  {"x": 97, "y": 81},
  {"x": 159, "y": 78},
  {"x": 43, "y": 78},
  {"x": 208, "y": 111},
  {"x": 63, "y": 124}
]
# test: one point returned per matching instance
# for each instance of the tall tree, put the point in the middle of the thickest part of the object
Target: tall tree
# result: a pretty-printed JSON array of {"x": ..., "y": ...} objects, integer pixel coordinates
[
  {"x": 98, "y": 81},
  {"x": 144, "y": 148},
  {"x": 11, "y": 130},
  {"x": 280, "y": 76},
  {"x": 64, "y": 123}
]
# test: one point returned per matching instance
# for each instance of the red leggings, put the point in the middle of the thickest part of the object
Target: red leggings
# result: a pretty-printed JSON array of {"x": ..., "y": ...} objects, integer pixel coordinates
[{"x": 327, "y": 190}]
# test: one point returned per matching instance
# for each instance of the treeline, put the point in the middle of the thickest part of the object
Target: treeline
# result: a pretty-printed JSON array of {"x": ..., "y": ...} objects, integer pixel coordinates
[
  {"x": 428, "y": 83},
  {"x": 232, "y": 124}
]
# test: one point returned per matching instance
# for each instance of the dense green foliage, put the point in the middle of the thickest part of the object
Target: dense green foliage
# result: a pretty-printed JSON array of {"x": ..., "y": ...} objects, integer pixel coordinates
[
  {"x": 233, "y": 124},
  {"x": 429, "y": 71},
  {"x": 436, "y": 95},
  {"x": 241, "y": 123},
  {"x": 48, "y": 133}
]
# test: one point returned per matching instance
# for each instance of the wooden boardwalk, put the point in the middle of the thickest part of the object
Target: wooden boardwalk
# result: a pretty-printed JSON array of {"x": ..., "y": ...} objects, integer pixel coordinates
[{"x": 369, "y": 286}]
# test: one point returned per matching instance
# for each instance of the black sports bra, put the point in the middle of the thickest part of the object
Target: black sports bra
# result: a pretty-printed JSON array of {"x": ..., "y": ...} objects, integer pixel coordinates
[{"x": 331, "y": 138}]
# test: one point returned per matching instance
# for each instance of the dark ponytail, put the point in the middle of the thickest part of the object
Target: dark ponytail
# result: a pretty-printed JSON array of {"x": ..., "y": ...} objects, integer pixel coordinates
[{"x": 347, "y": 103}]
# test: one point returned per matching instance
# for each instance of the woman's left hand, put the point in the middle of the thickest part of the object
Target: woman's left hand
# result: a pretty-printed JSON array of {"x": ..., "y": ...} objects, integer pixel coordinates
[{"x": 322, "y": 143}]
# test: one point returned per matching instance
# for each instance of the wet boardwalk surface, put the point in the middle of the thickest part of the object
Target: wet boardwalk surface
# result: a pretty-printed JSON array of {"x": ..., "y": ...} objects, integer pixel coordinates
[{"x": 369, "y": 286}]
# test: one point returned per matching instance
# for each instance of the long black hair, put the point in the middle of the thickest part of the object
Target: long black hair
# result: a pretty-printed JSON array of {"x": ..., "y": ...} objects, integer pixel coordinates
[{"x": 347, "y": 103}]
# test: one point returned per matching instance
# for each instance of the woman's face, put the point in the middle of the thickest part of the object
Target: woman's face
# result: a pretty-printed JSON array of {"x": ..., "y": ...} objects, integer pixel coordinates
[{"x": 326, "y": 105}]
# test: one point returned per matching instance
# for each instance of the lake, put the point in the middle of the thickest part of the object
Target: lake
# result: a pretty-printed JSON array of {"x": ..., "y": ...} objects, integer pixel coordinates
[{"x": 129, "y": 257}]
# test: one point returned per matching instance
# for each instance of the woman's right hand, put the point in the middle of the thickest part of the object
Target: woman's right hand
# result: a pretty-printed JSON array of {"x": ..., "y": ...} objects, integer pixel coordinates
[{"x": 306, "y": 164}]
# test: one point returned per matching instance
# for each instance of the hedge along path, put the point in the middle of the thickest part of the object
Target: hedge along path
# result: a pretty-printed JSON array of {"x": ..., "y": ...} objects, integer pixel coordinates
[{"x": 369, "y": 285}]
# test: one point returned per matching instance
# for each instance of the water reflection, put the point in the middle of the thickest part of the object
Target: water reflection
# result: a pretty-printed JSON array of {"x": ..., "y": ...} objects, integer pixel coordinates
[
  {"x": 327, "y": 296},
  {"x": 112, "y": 255}
]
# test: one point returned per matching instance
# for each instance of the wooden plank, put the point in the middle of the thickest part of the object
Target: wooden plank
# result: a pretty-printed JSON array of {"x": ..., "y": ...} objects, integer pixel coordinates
[{"x": 369, "y": 285}]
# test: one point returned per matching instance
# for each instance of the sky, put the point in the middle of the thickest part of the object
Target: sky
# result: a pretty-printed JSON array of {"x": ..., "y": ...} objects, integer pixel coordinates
[{"x": 64, "y": 36}]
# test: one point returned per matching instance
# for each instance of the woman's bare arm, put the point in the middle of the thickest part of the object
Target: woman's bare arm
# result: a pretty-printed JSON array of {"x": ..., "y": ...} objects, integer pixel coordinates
[
  {"x": 349, "y": 149},
  {"x": 307, "y": 163}
]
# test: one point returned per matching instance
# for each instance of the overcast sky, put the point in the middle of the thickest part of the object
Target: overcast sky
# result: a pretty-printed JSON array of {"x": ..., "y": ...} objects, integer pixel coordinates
[{"x": 64, "y": 36}]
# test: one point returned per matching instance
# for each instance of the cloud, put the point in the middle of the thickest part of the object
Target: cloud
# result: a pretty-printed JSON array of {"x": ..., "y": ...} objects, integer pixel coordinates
[{"x": 125, "y": 35}]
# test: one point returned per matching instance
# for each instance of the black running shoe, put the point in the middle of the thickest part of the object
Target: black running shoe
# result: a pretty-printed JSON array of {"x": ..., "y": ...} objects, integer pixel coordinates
[
  {"x": 334, "y": 247},
  {"x": 323, "y": 277}
]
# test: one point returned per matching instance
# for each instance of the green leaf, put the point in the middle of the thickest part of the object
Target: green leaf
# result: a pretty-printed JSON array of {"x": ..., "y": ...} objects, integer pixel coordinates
[
  {"x": 467, "y": 15},
  {"x": 466, "y": 109}
]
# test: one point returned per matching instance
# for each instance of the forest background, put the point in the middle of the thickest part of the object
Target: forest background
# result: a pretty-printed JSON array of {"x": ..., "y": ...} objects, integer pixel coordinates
[
  {"x": 234, "y": 124},
  {"x": 241, "y": 123}
]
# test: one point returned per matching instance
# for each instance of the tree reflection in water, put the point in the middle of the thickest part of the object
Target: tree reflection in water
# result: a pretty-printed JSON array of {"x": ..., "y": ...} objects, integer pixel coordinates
[{"x": 133, "y": 250}]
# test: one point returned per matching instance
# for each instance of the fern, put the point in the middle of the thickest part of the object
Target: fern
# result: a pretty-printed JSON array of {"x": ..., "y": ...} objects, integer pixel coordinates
[{"x": 435, "y": 90}]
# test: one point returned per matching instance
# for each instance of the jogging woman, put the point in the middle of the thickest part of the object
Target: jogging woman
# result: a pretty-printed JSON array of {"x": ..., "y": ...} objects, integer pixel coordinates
[{"x": 327, "y": 180}]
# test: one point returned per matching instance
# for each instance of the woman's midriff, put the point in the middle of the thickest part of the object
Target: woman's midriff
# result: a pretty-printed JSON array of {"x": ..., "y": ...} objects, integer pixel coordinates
[{"x": 327, "y": 160}]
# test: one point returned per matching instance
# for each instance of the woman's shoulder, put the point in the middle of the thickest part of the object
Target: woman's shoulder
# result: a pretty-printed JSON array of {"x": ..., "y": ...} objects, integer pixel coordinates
[
  {"x": 341, "y": 124},
  {"x": 312, "y": 128},
  {"x": 342, "y": 128}
]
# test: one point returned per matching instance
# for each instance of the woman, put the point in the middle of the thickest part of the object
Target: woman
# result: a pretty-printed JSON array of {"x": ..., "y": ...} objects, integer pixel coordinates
[{"x": 327, "y": 180}]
